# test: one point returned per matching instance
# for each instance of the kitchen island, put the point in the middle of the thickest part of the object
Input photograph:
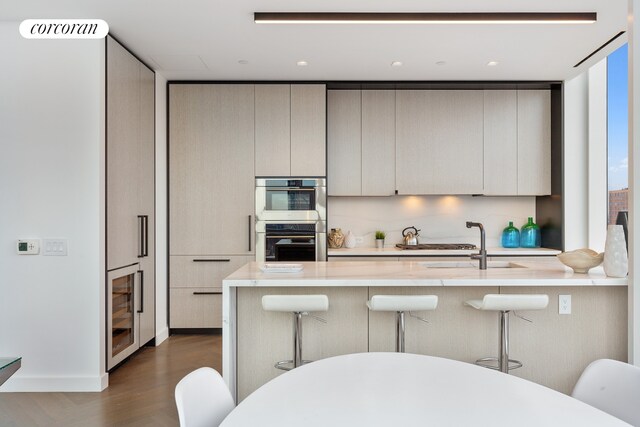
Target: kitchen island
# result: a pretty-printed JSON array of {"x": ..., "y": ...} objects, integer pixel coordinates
[{"x": 554, "y": 348}]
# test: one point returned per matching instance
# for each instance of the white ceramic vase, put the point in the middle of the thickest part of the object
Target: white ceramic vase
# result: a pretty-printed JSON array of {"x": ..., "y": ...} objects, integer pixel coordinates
[
  {"x": 350, "y": 240},
  {"x": 616, "y": 262}
]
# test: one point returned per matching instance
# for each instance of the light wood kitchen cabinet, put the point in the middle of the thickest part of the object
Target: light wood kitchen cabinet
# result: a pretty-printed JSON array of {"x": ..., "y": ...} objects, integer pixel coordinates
[
  {"x": 130, "y": 179},
  {"x": 203, "y": 271},
  {"x": 211, "y": 169},
  {"x": 439, "y": 141},
  {"x": 195, "y": 308},
  {"x": 361, "y": 142},
  {"x": 290, "y": 122},
  {"x": 146, "y": 202},
  {"x": 122, "y": 152},
  {"x": 308, "y": 130},
  {"x": 273, "y": 130},
  {"x": 344, "y": 169},
  {"x": 534, "y": 142},
  {"x": 378, "y": 142},
  {"x": 500, "y": 142},
  {"x": 517, "y": 142}
]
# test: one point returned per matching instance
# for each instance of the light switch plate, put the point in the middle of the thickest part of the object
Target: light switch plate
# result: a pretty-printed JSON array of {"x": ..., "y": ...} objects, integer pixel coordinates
[
  {"x": 54, "y": 247},
  {"x": 28, "y": 247}
]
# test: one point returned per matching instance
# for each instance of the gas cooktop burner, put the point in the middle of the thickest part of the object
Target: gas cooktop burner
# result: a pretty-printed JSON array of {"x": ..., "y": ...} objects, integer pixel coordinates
[{"x": 438, "y": 246}]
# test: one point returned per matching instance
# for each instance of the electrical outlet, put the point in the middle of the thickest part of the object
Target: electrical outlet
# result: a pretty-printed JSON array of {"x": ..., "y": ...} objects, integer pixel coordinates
[
  {"x": 564, "y": 304},
  {"x": 359, "y": 239}
]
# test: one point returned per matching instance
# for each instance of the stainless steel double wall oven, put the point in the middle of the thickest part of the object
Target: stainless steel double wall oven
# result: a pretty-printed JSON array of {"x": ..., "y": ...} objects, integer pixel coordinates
[{"x": 291, "y": 219}]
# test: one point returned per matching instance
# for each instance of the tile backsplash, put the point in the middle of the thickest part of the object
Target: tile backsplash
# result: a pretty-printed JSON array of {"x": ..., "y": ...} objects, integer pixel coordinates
[{"x": 441, "y": 219}]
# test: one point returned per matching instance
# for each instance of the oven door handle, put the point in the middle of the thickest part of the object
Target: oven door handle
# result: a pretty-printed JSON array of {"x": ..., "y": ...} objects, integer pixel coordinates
[
  {"x": 291, "y": 189},
  {"x": 291, "y": 237}
]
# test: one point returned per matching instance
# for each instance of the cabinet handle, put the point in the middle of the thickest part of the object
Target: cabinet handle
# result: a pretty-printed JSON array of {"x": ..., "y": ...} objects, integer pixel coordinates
[
  {"x": 211, "y": 260},
  {"x": 146, "y": 235},
  {"x": 140, "y": 236},
  {"x": 249, "y": 234},
  {"x": 141, "y": 291},
  {"x": 207, "y": 293}
]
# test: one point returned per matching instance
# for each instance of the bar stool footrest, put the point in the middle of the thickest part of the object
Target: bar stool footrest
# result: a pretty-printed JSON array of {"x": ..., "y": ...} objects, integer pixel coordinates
[
  {"x": 492, "y": 363},
  {"x": 287, "y": 365}
]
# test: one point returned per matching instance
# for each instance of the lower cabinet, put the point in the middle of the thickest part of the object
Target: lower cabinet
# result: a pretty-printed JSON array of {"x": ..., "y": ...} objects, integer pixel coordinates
[
  {"x": 195, "y": 283},
  {"x": 196, "y": 307}
]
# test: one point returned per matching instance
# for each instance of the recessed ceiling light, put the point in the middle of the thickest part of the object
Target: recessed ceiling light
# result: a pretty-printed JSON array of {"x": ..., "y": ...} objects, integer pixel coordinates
[
  {"x": 243, "y": 62},
  {"x": 425, "y": 18},
  {"x": 396, "y": 64},
  {"x": 441, "y": 63},
  {"x": 492, "y": 63},
  {"x": 302, "y": 63}
]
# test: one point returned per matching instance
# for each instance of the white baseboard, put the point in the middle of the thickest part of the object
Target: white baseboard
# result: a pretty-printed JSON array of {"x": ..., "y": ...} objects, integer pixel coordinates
[
  {"x": 52, "y": 384},
  {"x": 162, "y": 335}
]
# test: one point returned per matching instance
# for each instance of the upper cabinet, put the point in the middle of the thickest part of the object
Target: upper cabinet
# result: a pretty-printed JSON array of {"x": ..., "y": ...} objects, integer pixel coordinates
[
  {"x": 439, "y": 141},
  {"x": 491, "y": 142},
  {"x": 290, "y": 128},
  {"x": 534, "y": 142},
  {"x": 273, "y": 130},
  {"x": 361, "y": 143},
  {"x": 378, "y": 142},
  {"x": 344, "y": 143},
  {"x": 517, "y": 142},
  {"x": 500, "y": 142}
]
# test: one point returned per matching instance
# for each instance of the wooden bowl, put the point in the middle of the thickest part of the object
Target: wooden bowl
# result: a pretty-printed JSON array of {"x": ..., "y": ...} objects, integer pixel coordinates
[{"x": 581, "y": 260}]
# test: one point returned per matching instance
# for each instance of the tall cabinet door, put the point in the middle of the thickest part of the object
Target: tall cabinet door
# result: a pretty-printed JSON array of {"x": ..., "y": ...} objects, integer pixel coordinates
[
  {"x": 273, "y": 130},
  {"x": 439, "y": 141},
  {"x": 344, "y": 172},
  {"x": 146, "y": 203},
  {"x": 123, "y": 116},
  {"x": 378, "y": 142},
  {"x": 500, "y": 142},
  {"x": 534, "y": 142},
  {"x": 211, "y": 169},
  {"x": 308, "y": 130}
]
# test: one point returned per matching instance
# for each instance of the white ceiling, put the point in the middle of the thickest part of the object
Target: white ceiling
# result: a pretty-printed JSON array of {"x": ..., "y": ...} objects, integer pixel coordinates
[{"x": 205, "y": 39}]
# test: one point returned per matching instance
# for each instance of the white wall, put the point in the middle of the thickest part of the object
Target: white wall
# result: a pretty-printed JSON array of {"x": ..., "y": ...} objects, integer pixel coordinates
[
  {"x": 441, "y": 218},
  {"x": 51, "y": 186},
  {"x": 162, "y": 328},
  {"x": 597, "y": 157},
  {"x": 576, "y": 134}
]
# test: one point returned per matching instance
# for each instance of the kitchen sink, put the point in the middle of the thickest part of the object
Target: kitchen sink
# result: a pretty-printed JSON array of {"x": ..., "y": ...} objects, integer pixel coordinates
[{"x": 470, "y": 264}]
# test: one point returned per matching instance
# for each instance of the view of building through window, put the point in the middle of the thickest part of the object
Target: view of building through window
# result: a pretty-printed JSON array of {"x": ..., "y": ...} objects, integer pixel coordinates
[{"x": 617, "y": 133}]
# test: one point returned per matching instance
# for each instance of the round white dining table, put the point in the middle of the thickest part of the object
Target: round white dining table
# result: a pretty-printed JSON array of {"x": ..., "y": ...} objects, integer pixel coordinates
[{"x": 397, "y": 389}]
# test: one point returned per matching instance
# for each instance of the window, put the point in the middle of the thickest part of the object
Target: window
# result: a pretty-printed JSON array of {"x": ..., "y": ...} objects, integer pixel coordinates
[{"x": 617, "y": 133}]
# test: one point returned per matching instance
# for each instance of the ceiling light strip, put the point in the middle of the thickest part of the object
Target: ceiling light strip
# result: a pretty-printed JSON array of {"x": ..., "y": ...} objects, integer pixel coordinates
[{"x": 425, "y": 18}]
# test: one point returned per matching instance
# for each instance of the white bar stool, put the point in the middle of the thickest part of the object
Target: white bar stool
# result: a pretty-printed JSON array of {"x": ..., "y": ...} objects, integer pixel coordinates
[
  {"x": 299, "y": 305},
  {"x": 505, "y": 303},
  {"x": 400, "y": 304}
]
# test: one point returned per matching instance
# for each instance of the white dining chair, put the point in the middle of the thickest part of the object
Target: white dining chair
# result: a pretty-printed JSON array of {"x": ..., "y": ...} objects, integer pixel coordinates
[
  {"x": 203, "y": 399},
  {"x": 613, "y": 387}
]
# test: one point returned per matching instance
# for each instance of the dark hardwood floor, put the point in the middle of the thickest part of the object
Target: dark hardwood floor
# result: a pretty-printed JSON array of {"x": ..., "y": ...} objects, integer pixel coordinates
[{"x": 140, "y": 392}]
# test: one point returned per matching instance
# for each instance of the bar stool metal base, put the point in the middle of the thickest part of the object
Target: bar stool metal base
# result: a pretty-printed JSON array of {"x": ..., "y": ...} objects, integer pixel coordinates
[
  {"x": 486, "y": 362},
  {"x": 503, "y": 363},
  {"x": 287, "y": 365}
]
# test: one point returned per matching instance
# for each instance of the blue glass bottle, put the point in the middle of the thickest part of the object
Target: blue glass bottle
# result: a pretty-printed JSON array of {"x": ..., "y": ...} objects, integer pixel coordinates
[
  {"x": 530, "y": 235},
  {"x": 510, "y": 236}
]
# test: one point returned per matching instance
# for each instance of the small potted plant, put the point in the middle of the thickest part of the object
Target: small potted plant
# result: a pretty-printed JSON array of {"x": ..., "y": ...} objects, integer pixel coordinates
[{"x": 380, "y": 235}]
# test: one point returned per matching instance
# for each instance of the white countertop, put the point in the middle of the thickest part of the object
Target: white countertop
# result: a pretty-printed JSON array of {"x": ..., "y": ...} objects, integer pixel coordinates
[
  {"x": 537, "y": 272},
  {"x": 393, "y": 251}
]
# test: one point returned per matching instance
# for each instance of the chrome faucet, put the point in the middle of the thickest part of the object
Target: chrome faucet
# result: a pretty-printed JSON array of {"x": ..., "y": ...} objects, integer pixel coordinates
[{"x": 482, "y": 255}]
